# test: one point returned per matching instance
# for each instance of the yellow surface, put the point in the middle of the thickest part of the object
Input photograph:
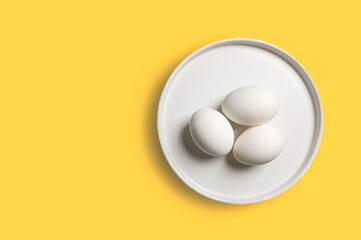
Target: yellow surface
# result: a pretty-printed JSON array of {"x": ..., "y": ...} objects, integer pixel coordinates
[{"x": 79, "y": 88}]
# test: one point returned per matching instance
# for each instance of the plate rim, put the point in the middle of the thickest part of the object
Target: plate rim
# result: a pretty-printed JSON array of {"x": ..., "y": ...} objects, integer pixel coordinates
[{"x": 315, "y": 99}]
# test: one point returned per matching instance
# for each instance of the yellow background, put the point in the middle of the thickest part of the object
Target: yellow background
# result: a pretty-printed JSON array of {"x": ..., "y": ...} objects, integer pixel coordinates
[{"x": 79, "y": 87}]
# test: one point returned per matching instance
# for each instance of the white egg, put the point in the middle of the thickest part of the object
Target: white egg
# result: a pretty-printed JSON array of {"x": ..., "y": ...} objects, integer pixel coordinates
[
  {"x": 211, "y": 132},
  {"x": 250, "y": 105},
  {"x": 258, "y": 145}
]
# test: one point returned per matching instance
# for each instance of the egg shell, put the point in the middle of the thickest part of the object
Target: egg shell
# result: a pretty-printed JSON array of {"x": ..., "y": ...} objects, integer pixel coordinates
[
  {"x": 250, "y": 105},
  {"x": 258, "y": 145},
  {"x": 211, "y": 132}
]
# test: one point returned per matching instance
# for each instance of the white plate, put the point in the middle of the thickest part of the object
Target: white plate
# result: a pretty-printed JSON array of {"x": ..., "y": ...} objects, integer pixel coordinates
[{"x": 203, "y": 79}]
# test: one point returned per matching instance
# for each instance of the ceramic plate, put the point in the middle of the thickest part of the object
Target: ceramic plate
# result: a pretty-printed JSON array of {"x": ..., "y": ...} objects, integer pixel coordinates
[{"x": 202, "y": 80}]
